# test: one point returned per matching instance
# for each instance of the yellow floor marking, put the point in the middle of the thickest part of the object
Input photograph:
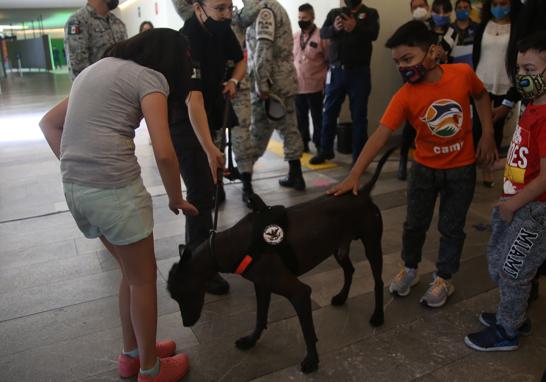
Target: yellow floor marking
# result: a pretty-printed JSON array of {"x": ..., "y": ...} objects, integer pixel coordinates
[{"x": 275, "y": 147}]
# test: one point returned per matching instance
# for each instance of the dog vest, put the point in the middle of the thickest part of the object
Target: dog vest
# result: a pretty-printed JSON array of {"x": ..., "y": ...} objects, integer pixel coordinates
[{"x": 269, "y": 236}]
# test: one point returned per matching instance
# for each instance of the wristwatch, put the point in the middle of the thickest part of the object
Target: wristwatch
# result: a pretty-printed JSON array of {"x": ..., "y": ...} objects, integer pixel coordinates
[{"x": 235, "y": 81}]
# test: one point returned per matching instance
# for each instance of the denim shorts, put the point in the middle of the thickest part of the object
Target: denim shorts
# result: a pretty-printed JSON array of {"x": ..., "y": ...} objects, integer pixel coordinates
[{"x": 122, "y": 215}]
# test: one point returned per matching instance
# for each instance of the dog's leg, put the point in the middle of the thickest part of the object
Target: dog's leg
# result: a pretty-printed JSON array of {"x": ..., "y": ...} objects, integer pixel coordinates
[
  {"x": 343, "y": 259},
  {"x": 263, "y": 298},
  {"x": 372, "y": 242},
  {"x": 299, "y": 295}
]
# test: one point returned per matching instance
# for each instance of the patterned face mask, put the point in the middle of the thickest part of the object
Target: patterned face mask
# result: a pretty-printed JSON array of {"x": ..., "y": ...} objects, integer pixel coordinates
[{"x": 531, "y": 86}]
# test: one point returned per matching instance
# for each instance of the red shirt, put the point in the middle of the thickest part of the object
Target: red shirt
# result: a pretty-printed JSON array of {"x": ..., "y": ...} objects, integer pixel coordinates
[
  {"x": 527, "y": 149},
  {"x": 440, "y": 114}
]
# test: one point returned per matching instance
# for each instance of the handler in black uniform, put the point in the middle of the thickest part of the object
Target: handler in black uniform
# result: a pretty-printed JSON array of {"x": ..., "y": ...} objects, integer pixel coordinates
[{"x": 212, "y": 44}]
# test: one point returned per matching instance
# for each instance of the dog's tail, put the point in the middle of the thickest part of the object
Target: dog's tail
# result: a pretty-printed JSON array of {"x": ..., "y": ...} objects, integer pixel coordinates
[{"x": 368, "y": 187}]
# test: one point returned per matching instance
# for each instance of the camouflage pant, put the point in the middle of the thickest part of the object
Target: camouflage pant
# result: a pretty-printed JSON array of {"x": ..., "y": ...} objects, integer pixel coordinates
[
  {"x": 243, "y": 147},
  {"x": 262, "y": 128}
]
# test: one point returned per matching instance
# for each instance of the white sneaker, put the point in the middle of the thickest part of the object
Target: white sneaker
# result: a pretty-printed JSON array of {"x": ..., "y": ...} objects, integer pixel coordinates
[
  {"x": 401, "y": 283},
  {"x": 438, "y": 292}
]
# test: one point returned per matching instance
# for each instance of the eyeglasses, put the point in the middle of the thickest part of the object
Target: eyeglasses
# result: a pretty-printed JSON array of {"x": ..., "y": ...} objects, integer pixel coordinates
[{"x": 222, "y": 9}]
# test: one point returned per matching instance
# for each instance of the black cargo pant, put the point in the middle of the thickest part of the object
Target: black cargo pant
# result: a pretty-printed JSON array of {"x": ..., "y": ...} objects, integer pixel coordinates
[{"x": 195, "y": 171}]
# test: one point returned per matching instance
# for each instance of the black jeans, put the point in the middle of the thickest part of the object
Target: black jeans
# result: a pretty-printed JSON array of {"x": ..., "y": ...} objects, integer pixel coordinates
[
  {"x": 456, "y": 189},
  {"x": 305, "y": 103},
  {"x": 195, "y": 170}
]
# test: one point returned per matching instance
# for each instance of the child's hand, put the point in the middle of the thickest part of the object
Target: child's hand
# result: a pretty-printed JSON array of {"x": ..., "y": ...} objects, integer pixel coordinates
[
  {"x": 506, "y": 211},
  {"x": 350, "y": 183},
  {"x": 487, "y": 152}
]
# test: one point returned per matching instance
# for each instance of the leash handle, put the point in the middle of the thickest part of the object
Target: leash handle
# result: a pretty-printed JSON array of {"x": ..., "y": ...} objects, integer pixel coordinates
[{"x": 219, "y": 180}]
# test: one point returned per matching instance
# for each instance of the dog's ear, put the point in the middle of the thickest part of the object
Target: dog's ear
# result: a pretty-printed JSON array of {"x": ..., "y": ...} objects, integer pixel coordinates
[{"x": 185, "y": 254}]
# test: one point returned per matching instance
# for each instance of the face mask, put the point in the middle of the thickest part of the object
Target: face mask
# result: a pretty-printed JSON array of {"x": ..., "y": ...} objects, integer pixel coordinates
[
  {"x": 414, "y": 74},
  {"x": 500, "y": 12},
  {"x": 304, "y": 25},
  {"x": 112, "y": 4},
  {"x": 353, "y": 3},
  {"x": 531, "y": 86},
  {"x": 420, "y": 14},
  {"x": 462, "y": 14},
  {"x": 441, "y": 21},
  {"x": 216, "y": 27}
]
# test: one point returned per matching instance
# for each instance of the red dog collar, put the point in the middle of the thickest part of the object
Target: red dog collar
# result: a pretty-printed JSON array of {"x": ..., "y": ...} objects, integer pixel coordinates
[{"x": 243, "y": 265}]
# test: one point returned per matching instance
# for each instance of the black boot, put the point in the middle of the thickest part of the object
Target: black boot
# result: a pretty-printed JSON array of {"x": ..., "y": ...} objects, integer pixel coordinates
[
  {"x": 248, "y": 191},
  {"x": 217, "y": 285},
  {"x": 403, "y": 168},
  {"x": 295, "y": 177}
]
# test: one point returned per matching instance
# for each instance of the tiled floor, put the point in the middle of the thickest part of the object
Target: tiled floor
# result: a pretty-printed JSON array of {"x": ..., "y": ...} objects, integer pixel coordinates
[{"x": 58, "y": 304}]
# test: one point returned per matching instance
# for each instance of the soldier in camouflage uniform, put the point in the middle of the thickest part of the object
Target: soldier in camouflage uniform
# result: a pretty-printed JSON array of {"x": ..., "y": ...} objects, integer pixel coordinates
[
  {"x": 271, "y": 66},
  {"x": 89, "y": 32}
]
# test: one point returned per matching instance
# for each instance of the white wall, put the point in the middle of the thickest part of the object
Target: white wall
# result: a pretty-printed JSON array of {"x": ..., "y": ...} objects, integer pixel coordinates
[
  {"x": 165, "y": 17},
  {"x": 322, "y": 7}
]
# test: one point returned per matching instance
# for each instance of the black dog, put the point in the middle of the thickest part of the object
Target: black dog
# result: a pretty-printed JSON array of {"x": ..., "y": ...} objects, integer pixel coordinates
[{"x": 317, "y": 229}]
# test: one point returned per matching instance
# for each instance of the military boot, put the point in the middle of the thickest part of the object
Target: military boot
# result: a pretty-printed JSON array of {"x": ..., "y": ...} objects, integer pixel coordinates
[
  {"x": 248, "y": 191},
  {"x": 295, "y": 177}
]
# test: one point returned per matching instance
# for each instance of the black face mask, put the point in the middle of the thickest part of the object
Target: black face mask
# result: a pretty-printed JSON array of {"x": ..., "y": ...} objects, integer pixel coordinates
[
  {"x": 113, "y": 4},
  {"x": 304, "y": 25},
  {"x": 353, "y": 3},
  {"x": 216, "y": 27}
]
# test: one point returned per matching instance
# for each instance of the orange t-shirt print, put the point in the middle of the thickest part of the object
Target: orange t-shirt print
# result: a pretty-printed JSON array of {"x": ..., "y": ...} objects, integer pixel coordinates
[{"x": 440, "y": 114}]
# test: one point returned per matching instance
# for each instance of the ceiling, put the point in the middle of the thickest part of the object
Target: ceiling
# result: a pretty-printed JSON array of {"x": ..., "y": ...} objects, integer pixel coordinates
[
  {"x": 13, "y": 4},
  {"x": 54, "y": 14}
]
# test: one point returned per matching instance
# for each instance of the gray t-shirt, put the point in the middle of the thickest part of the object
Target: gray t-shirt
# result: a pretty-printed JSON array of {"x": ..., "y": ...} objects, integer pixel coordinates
[{"x": 97, "y": 147}]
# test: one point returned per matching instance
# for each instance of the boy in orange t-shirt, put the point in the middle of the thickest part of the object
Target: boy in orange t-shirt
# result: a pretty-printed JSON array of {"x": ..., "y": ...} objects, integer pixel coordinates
[{"x": 436, "y": 102}]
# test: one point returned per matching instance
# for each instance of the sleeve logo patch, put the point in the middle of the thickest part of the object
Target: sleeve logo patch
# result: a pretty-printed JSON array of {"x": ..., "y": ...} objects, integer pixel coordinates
[
  {"x": 74, "y": 29},
  {"x": 265, "y": 25}
]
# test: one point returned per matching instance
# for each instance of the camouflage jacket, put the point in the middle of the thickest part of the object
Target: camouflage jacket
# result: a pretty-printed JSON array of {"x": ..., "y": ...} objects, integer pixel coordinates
[
  {"x": 270, "y": 58},
  {"x": 88, "y": 35}
]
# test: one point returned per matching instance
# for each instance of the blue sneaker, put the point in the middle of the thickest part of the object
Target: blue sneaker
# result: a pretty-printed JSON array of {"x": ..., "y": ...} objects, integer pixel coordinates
[
  {"x": 488, "y": 319},
  {"x": 493, "y": 338}
]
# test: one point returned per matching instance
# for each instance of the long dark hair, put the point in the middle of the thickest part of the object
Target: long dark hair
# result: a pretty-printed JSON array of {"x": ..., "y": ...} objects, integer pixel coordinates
[
  {"x": 163, "y": 50},
  {"x": 486, "y": 15},
  {"x": 532, "y": 18}
]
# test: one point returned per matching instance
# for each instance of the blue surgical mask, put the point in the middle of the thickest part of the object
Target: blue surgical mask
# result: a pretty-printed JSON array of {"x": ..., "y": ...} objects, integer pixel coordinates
[
  {"x": 500, "y": 12},
  {"x": 441, "y": 21},
  {"x": 462, "y": 14}
]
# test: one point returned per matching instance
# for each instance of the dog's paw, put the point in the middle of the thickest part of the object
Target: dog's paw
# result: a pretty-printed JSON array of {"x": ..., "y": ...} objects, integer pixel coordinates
[
  {"x": 309, "y": 364},
  {"x": 377, "y": 319},
  {"x": 339, "y": 299},
  {"x": 245, "y": 343}
]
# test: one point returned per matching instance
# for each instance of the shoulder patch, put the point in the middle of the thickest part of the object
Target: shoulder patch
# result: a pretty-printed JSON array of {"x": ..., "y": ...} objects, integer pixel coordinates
[
  {"x": 362, "y": 16},
  {"x": 74, "y": 28},
  {"x": 265, "y": 25}
]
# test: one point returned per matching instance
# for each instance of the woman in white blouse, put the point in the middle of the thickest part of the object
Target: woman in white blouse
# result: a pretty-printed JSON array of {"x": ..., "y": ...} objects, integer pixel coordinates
[{"x": 489, "y": 56}]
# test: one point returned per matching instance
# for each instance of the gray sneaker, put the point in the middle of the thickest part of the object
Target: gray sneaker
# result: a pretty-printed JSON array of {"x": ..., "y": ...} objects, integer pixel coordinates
[
  {"x": 401, "y": 283},
  {"x": 438, "y": 292}
]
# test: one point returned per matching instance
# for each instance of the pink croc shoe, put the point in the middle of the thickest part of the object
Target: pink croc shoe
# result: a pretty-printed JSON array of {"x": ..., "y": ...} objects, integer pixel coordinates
[
  {"x": 171, "y": 369},
  {"x": 129, "y": 367}
]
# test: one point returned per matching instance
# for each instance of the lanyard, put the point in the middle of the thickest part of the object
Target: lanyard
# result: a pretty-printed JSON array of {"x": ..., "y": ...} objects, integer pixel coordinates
[{"x": 303, "y": 43}]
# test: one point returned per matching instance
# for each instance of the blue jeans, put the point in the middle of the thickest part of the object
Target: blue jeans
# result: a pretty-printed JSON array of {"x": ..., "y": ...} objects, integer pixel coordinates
[{"x": 356, "y": 83}]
